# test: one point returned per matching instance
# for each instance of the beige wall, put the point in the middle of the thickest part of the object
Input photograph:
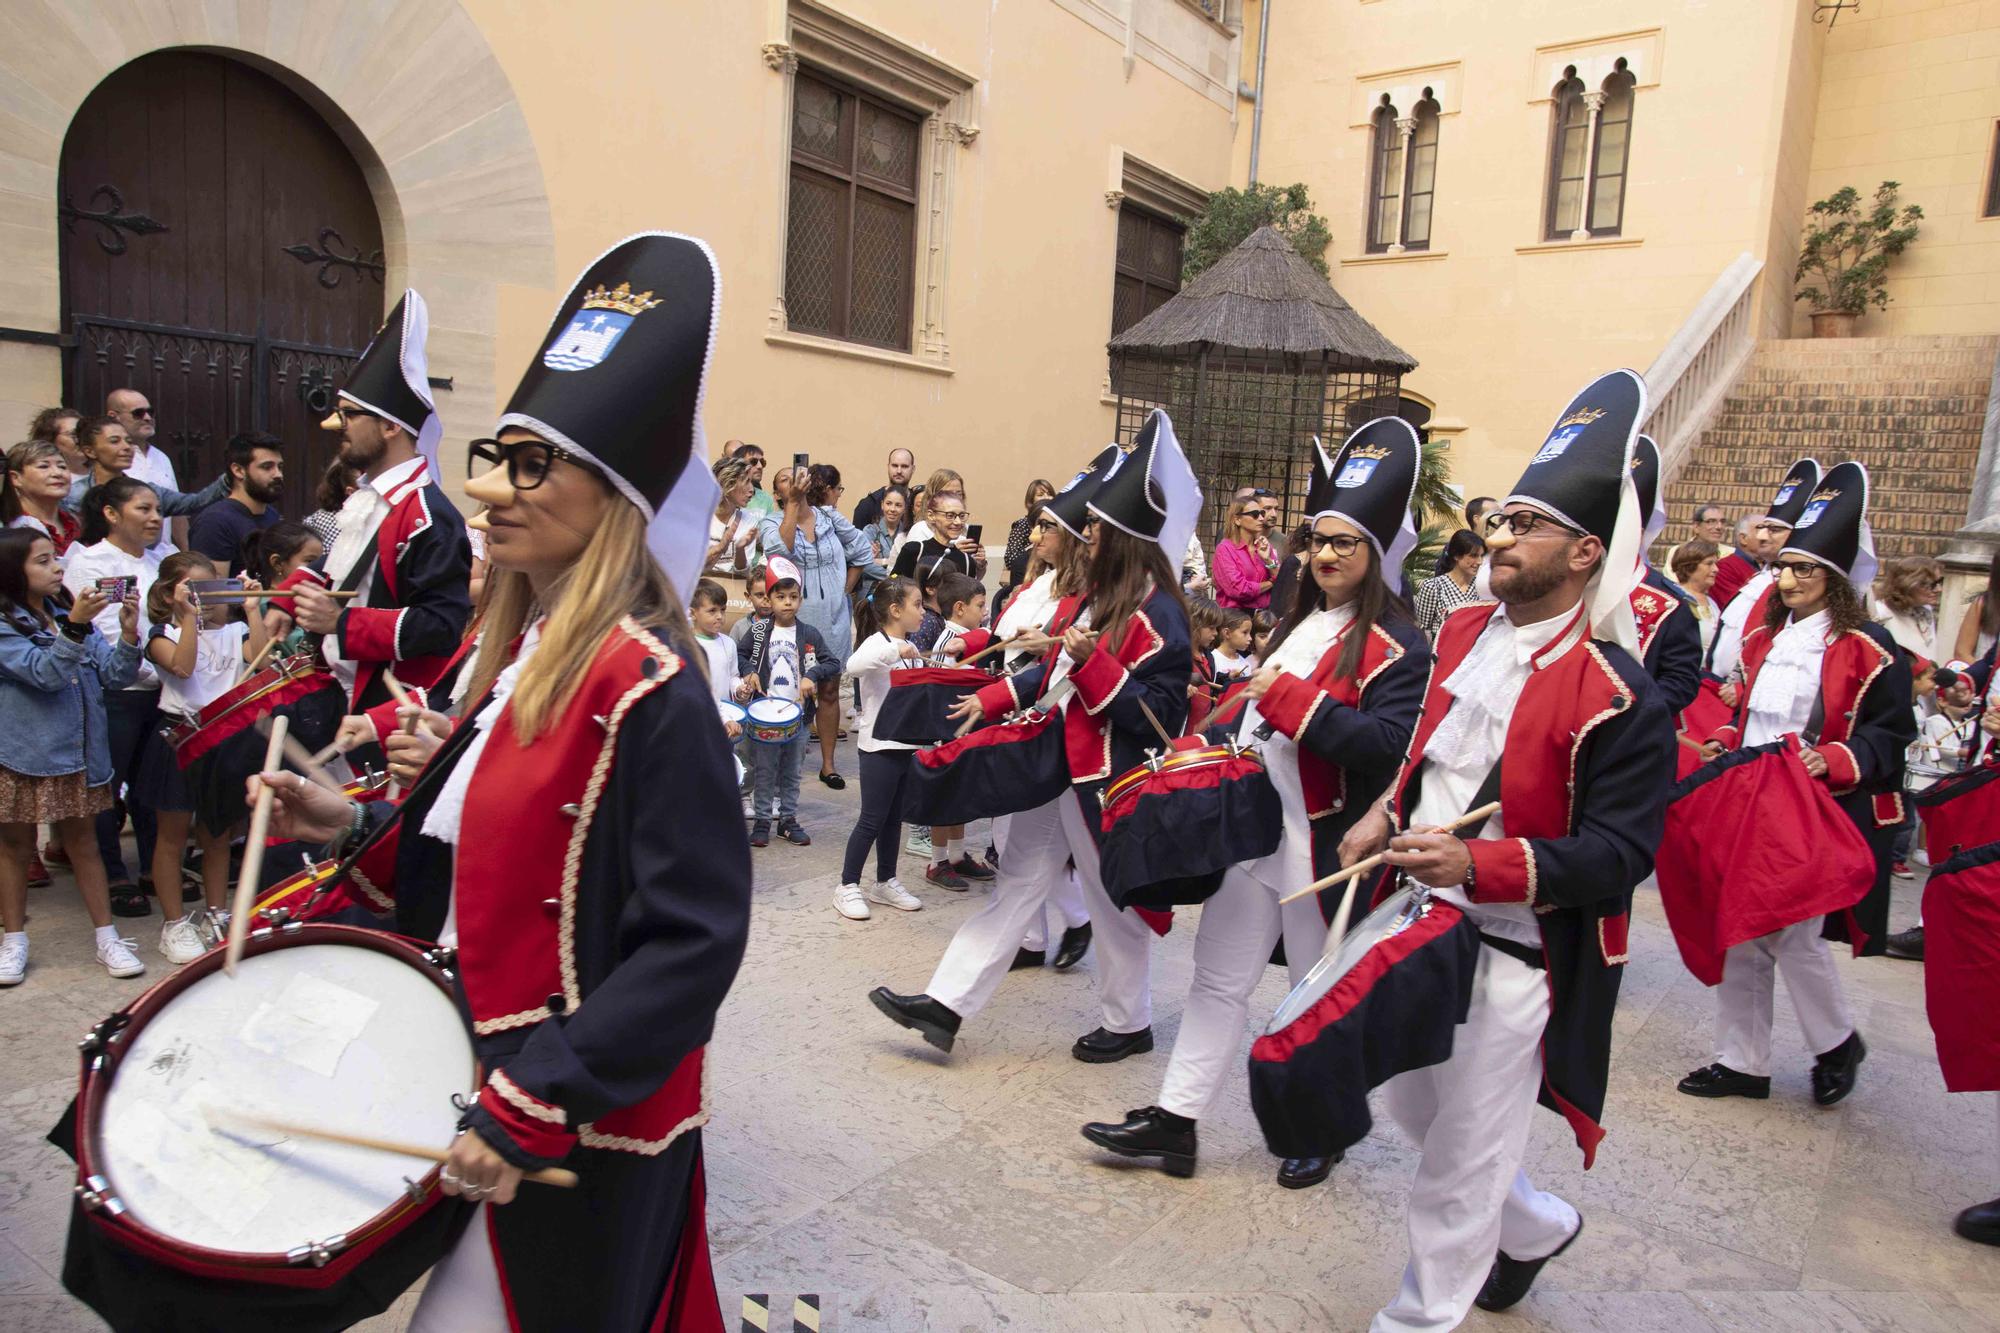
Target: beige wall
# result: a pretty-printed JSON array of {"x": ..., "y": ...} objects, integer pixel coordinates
[{"x": 1911, "y": 93}]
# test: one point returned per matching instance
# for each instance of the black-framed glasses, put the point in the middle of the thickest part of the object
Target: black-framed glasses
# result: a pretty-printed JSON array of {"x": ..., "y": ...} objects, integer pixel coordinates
[
  {"x": 1524, "y": 521},
  {"x": 347, "y": 414},
  {"x": 527, "y": 461},
  {"x": 140, "y": 411},
  {"x": 1805, "y": 571},
  {"x": 1343, "y": 544}
]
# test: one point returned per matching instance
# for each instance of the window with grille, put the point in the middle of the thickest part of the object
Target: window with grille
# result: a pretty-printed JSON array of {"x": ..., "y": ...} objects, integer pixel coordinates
[
  {"x": 1149, "y": 265},
  {"x": 1403, "y": 180},
  {"x": 850, "y": 247},
  {"x": 1590, "y": 144}
]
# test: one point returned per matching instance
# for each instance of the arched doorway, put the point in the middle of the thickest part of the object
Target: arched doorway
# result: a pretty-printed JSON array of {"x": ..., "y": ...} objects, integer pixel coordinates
[{"x": 222, "y": 253}]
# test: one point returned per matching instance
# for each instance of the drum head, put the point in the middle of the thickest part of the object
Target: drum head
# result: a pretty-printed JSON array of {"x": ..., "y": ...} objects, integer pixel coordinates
[
  {"x": 334, "y": 1035},
  {"x": 773, "y": 711},
  {"x": 1391, "y": 918},
  {"x": 731, "y": 712}
]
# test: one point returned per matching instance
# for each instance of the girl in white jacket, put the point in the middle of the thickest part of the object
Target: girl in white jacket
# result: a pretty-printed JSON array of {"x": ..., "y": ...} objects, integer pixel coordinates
[{"x": 892, "y": 610}]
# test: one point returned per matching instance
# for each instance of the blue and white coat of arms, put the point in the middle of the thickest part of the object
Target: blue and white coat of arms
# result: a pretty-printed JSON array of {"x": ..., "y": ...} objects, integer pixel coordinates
[
  {"x": 587, "y": 341},
  {"x": 1558, "y": 443},
  {"x": 1355, "y": 472}
]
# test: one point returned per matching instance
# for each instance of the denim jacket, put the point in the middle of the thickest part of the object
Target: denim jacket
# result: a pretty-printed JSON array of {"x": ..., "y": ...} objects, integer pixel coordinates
[
  {"x": 52, "y": 698},
  {"x": 173, "y": 503}
]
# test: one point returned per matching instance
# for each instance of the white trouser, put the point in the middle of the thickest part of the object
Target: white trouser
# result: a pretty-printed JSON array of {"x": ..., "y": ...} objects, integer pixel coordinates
[
  {"x": 1232, "y": 947},
  {"x": 1471, "y": 1116},
  {"x": 1066, "y": 897},
  {"x": 1744, "y": 1000},
  {"x": 463, "y": 1295},
  {"x": 1039, "y": 842}
]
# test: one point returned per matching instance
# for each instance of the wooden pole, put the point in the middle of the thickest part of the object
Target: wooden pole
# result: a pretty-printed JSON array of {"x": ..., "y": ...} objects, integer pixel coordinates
[{"x": 253, "y": 849}]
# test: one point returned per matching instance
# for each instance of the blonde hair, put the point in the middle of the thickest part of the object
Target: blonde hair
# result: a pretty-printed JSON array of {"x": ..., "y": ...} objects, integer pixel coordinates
[
  {"x": 614, "y": 577},
  {"x": 944, "y": 479}
]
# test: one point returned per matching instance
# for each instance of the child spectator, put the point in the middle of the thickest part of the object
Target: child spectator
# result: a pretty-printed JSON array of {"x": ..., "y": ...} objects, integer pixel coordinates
[
  {"x": 199, "y": 652},
  {"x": 778, "y": 659},
  {"x": 883, "y": 628},
  {"x": 1235, "y": 635},
  {"x": 961, "y": 602},
  {"x": 274, "y": 556},
  {"x": 55, "y": 764},
  {"x": 760, "y": 604},
  {"x": 705, "y": 611},
  {"x": 1262, "y": 625},
  {"x": 1205, "y": 627}
]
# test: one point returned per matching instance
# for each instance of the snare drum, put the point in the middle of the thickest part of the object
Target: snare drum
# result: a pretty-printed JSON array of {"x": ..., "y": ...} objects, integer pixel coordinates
[
  {"x": 773, "y": 721},
  {"x": 221, "y": 747},
  {"x": 182, "y": 1222},
  {"x": 1174, "y": 825}
]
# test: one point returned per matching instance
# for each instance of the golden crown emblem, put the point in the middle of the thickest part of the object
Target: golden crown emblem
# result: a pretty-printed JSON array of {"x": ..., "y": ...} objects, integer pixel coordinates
[
  {"x": 1581, "y": 417},
  {"x": 621, "y": 298},
  {"x": 1368, "y": 451},
  {"x": 1828, "y": 494}
]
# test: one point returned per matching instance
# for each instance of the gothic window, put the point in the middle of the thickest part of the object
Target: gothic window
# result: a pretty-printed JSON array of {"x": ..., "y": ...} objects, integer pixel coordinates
[
  {"x": 1590, "y": 143},
  {"x": 1403, "y": 177},
  {"x": 1614, "y": 143}
]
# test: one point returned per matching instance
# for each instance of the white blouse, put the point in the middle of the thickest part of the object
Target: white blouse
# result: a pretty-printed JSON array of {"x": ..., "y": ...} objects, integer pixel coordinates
[
  {"x": 1290, "y": 867},
  {"x": 1781, "y": 701}
]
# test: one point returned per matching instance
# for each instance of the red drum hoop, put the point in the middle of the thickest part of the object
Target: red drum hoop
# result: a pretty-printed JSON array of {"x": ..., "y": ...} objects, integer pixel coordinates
[
  {"x": 1002, "y": 769},
  {"x": 1175, "y": 825},
  {"x": 238, "y": 709}
]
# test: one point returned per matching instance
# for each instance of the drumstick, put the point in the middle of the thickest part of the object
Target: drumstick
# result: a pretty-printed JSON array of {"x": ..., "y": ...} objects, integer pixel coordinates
[
  {"x": 322, "y": 756},
  {"x": 1024, "y": 643},
  {"x": 253, "y": 848},
  {"x": 1165, "y": 739},
  {"x": 256, "y": 663},
  {"x": 403, "y": 700},
  {"x": 296, "y": 755},
  {"x": 1366, "y": 864},
  {"x": 1688, "y": 741},
  {"x": 256, "y": 594},
  {"x": 560, "y": 1177},
  {"x": 1231, "y": 708}
]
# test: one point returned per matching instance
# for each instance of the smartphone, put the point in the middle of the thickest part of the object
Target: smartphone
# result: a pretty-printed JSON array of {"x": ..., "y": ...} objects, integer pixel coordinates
[
  {"x": 113, "y": 587},
  {"x": 802, "y": 460},
  {"x": 972, "y": 533}
]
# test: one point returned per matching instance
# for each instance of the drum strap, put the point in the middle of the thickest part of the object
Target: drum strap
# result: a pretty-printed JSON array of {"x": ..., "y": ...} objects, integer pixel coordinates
[
  {"x": 1489, "y": 790},
  {"x": 1815, "y": 721},
  {"x": 1516, "y": 950}
]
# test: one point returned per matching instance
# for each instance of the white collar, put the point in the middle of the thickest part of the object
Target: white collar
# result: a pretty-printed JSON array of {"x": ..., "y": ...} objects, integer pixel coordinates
[
  {"x": 1812, "y": 628},
  {"x": 1531, "y": 639},
  {"x": 394, "y": 477}
]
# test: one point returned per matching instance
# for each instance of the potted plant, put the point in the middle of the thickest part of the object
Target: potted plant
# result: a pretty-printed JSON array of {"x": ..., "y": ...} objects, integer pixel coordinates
[{"x": 1845, "y": 256}]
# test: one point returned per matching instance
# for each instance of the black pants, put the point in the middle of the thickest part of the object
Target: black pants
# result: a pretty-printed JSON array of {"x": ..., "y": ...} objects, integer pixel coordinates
[
  {"x": 131, "y": 716},
  {"x": 881, "y": 822}
]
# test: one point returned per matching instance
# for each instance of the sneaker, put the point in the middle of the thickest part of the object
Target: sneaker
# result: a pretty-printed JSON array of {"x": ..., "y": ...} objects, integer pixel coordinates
[
  {"x": 13, "y": 959},
  {"x": 1901, "y": 870},
  {"x": 1920, "y": 857},
  {"x": 760, "y": 833},
  {"x": 181, "y": 941},
  {"x": 847, "y": 901},
  {"x": 790, "y": 831},
  {"x": 971, "y": 869},
  {"x": 919, "y": 842},
  {"x": 891, "y": 893},
  {"x": 749, "y": 808},
  {"x": 38, "y": 874},
  {"x": 941, "y": 874},
  {"x": 117, "y": 956}
]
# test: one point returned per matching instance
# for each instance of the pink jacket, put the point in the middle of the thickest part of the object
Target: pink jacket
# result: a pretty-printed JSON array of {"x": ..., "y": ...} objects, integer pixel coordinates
[{"x": 1239, "y": 573}]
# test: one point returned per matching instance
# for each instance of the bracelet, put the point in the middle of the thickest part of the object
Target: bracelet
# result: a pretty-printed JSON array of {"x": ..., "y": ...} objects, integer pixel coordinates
[
  {"x": 74, "y": 632},
  {"x": 358, "y": 820}
]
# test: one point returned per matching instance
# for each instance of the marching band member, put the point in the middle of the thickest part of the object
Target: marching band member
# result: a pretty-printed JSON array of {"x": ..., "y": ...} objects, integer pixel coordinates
[
  {"x": 1746, "y": 608},
  {"x": 1136, "y": 655},
  {"x": 1816, "y": 666},
  {"x": 1338, "y": 697},
  {"x": 402, "y": 545},
  {"x": 565, "y": 838},
  {"x": 1549, "y": 679},
  {"x": 1669, "y": 639}
]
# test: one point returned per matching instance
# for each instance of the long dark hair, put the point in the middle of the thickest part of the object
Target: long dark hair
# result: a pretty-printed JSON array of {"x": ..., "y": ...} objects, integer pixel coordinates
[
  {"x": 264, "y": 551},
  {"x": 873, "y": 612},
  {"x": 1844, "y": 609},
  {"x": 113, "y": 494},
  {"x": 822, "y": 480},
  {"x": 1374, "y": 604},
  {"x": 15, "y": 599},
  {"x": 1121, "y": 567}
]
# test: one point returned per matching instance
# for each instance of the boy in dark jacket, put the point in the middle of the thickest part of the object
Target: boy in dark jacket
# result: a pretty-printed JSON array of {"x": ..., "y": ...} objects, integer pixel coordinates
[{"x": 781, "y": 659}]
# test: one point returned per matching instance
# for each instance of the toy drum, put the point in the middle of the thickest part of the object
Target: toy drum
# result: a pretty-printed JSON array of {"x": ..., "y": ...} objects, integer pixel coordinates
[
  {"x": 773, "y": 721},
  {"x": 733, "y": 712},
  {"x": 182, "y": 1212}
]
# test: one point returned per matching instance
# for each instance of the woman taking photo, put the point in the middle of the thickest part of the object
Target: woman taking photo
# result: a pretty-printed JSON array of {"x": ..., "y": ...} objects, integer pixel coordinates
[
  {"x": 1442, "y": 594},
  {"x": 1243, "y": 573},
  {"x": 577, "y": 838},
  {"x": 32, "y": 492},
  {"x": 1339, "y": 693},
  {"x": 1694, "y": 569},
  {"x": 831, "y": 554}
]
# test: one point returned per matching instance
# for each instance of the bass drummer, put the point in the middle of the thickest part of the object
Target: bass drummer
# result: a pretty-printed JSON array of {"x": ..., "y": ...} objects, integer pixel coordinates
[
  {"x": 1333, "y": 705},
  {"x": 1547, "y": 679}
]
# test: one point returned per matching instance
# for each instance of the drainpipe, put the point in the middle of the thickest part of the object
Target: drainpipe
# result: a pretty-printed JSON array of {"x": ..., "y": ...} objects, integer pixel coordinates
[{"x": 1257, "y": 108}]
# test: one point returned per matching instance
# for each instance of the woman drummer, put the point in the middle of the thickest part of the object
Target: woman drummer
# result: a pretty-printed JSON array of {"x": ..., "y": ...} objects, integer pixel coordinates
[
  {"x": 1134, "y": 655},
  {"x": 1820, "y": 669},
  {"x": 1337, "y": 697},
  {"x": 568, "y": 837}
]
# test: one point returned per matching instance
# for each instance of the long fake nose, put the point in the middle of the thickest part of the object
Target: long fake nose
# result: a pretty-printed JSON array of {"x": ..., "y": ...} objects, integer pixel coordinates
[
  {"x": 491, "y": 487},
  {"x": 1500, "y": 538},
  {"x": 1787, "y": 581}
]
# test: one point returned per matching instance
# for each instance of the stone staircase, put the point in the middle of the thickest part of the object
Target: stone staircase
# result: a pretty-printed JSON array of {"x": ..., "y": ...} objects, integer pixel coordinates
[{"x": 1910, "y": 408}]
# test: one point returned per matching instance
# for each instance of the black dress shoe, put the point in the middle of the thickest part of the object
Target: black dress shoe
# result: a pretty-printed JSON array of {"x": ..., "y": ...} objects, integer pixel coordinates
[
  {"x": 1510, "y": 1279},
  {"x": 1906, "y": 944},
  {"x": 1150, "y": 1132},
  {"x": 1833, "y": 1073},
  {"x": 938, "y": 1024},
  {"x": 1299, "y": 1173},
  {"x": 1101, "y": 1047},
  {"x": 1026, "y": 958},
  {"x": 1981, "y": 1223},
  {"x": 1722, "y": 1081},
  {"x": 1075, "y": 944}
]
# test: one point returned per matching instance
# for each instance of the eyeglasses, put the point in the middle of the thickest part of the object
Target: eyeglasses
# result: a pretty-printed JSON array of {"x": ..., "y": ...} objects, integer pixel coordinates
[
  {"x": 140, "y": 411},
  {"x": 1254, "y": 515},
  {"x": 1342, "y": 543},
  {"x": 1932, "y": 585},
  {"x": 347, "y": 414},
  {"x": 1525, "y": 521},
  {"x": 527, "y": 461},
  {"x": 1805, "y": 571},
  {"x": 949, "y": 515},
  {"x": 1037, "y": 527}
]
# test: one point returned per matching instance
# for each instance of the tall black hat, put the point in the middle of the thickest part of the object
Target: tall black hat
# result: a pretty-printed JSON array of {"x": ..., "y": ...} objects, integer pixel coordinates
[
  {"x": 619, "y": 381},
  {"x": 1151, "y": 492},
  {"x": 1832, "y": 526},
  {"x": 1794, "y": 492},
  {"x": 1068, "y": 509},
  {"x": 1582, "y": 476},
  {"x": 1646, "y": 472},
  {"x": 1370, "y": 483},
  {"x": 392, "y": 378}
]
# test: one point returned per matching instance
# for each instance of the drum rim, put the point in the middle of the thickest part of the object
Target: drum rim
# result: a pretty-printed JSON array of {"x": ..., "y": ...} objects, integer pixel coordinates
[
  {"x": 100, "y": 1068},
  {"x": 798, "y": 709},
  {"x": 299, "y": 666},
  {"x": 1206, "y": 756},
  {"x": 1398, "y": 901}
]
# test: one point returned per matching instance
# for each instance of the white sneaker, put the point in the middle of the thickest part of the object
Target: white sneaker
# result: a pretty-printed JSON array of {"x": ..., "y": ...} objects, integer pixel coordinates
[
  {"x": 847, "y": 901},
  {"x": 118, "y": 959},
  {"x": 891, "y": 893},
  {"x": 919, "y": 842},
  {"x": 181, "y": 941},
  {"x": 13, "y": 959}
]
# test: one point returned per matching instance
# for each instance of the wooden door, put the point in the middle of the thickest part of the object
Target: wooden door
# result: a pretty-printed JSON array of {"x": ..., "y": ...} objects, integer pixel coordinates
[{"x": 222, "y": 254}]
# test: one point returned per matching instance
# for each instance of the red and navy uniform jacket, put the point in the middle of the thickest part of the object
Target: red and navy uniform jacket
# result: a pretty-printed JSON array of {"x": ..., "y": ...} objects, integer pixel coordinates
[
  {"x": 1105, "y": 731},
  {"x": 418, "y": 605},
  {"x": 1351, "y": 731},
  {"x": 1669, "y": 643},
  {"x": 1731, "y": 573},
  {"x": 1866, "y": 725},
  {"x": 437, "y": 694},
  {"x": 603, "y": 904},
  {"x": 1589, "y": 758}
]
